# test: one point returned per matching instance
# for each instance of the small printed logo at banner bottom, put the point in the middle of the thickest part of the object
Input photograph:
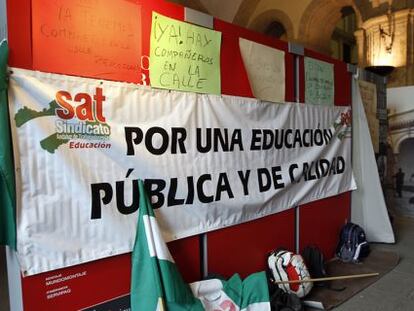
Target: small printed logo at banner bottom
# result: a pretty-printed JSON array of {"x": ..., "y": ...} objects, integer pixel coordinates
[{"x": 80, "y": 121}]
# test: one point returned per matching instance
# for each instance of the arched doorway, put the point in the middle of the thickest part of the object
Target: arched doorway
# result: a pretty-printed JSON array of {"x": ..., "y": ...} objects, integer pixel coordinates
[
  {"x": 404, "y": 204},
  {"x": 343, "y": 42},
  {"x": 277, "y": 30},
  {"x": 405, "y": 161},
  {"x": 320, "y": 20},
  {"x": 274, "y": 23}
]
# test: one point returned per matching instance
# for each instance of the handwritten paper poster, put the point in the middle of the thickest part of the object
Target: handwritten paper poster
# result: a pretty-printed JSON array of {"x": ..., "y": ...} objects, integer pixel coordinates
[
  {"x": 265, "y": 68},
  {"x": 184, "y": 57},
  {"x": 319, "y": 82},
  {"x": 93, "y": 38},
  {"x": 369, "y": 100}
]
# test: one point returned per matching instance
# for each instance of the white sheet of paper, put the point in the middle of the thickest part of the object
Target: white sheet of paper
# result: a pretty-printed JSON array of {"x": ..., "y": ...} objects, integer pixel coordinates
[
  {"x": 265, "y": 68},
  {"x": 319, "y": 82}
]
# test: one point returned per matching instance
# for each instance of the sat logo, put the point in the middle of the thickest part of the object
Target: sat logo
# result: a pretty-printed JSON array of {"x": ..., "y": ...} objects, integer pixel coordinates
[
  {"x": 82, "y": 106},
  {"x": 80, "y": 121}
]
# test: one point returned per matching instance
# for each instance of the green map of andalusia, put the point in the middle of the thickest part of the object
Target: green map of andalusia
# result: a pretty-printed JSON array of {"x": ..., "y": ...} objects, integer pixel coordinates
[{"x": 52, "y": 142}]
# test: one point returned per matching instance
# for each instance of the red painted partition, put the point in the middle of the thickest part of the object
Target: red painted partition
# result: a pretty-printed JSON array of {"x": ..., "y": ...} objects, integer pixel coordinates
[
  {"x": 321, "y": 221},
  {"x": 19, "y": 33},
  {"x": 102, "y": 281},
  {"x": 242, "y": 248},
  {"x": 91, "y": 283}
]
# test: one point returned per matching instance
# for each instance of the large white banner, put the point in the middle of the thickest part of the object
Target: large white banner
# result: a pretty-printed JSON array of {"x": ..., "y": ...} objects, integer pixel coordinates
[{"x": 207, "y": 161}]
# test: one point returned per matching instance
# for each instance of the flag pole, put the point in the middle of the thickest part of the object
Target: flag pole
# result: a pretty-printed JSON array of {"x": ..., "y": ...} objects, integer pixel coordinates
[{"x": 330, "y": 278}]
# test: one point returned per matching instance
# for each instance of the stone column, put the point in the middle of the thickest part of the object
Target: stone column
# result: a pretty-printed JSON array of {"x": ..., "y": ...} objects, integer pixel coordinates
[
  {"x": 410, "y": 49},
  {"x": 361, "y": 45}
]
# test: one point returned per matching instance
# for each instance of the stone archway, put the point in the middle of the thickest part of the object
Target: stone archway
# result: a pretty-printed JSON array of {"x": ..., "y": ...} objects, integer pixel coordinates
[
  {"x": 262, "y": 21},
  {"x": 319, "y": 21},
  {"x": 406, "y": 150},
  {"x": 401, "y": 127},
  {"x": 400, "y": 135},
  {"x": 243, "y": 13},
  {"x": 401, "y": 138},
  {"x": 313, "y": 28}
]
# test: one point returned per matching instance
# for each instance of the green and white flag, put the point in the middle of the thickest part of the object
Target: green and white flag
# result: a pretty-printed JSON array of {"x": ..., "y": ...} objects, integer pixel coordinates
[
  {"x": 252, "y": 294},
  {"x": 7, "y": 186},
  {"x": 157, "y": 285}
]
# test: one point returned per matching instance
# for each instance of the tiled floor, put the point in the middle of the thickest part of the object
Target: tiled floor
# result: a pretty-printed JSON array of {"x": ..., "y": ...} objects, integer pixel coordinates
[{"x": 395, "y": 291}]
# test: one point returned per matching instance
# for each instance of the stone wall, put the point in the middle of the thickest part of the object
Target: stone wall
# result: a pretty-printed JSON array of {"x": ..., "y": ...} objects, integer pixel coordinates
[{"x": 385, "y": 32}]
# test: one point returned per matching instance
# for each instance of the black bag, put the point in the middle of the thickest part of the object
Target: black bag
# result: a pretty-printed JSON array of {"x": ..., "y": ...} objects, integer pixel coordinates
[
  {"x": 315, "y": 262},
  {"x": 282, "y": 301},
  {"x": 352, "y": 246}
]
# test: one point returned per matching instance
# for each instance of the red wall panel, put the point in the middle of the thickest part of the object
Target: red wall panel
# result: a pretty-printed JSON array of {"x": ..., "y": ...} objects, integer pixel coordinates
[
  {"x": 102, "y": 280},
  {"x": 98, "y": 281},
  {"x": 321, "y": 222},
  {"x": 243, "y": 248},
  {"x": 19, "y": 33},
  {"x": 186, "y": 254}
]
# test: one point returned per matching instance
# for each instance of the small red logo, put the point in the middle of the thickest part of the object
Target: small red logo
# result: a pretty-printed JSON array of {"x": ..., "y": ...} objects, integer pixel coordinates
[{"x": 82, "y": 106}]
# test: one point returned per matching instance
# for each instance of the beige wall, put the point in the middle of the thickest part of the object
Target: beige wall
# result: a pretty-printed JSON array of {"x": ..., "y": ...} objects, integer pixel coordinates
[
  {"x": 226, "y": 9},
  {"x": 293, "y": 9},
  {"x": 308, "y": 22}
]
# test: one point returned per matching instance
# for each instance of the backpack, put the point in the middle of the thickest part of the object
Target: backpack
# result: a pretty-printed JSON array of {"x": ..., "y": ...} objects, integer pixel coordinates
[
  {"x": 315, "y": 262},
  {"x": 287, "y": 266},
  {"x": 282, "y": 301},
  {"x": 352, "y": 246}
]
